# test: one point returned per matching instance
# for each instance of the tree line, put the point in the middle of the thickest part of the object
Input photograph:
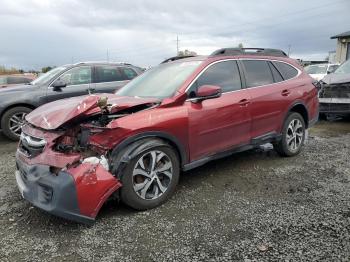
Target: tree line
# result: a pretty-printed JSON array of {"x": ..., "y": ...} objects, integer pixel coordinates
[{"x": 13, "y": 70}]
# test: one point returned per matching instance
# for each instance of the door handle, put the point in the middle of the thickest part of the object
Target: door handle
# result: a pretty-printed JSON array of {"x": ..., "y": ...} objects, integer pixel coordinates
[
  {"x": 285, "y": 92},
  {"x": 91, "y": 90},
  {"x": 244, "y": 102}
]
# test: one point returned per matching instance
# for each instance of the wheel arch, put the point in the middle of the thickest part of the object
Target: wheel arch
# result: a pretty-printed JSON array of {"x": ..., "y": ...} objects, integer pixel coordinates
[
  {"x": 299, "y": 107},
  {"x": 179, "y": 148}
]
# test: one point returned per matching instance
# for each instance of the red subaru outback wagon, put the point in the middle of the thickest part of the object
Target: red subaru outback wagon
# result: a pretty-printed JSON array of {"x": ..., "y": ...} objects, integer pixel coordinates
[{"x": 76, "y": 153}]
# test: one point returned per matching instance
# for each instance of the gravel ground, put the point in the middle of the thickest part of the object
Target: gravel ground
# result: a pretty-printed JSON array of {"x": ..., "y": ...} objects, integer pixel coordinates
[{"x": 252, "y": 206}]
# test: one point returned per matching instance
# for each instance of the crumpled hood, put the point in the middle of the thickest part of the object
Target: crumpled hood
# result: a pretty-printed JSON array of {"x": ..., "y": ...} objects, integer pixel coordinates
[
  {"x": 336, "y": 79},
  {"x": 53, "y": 115}
]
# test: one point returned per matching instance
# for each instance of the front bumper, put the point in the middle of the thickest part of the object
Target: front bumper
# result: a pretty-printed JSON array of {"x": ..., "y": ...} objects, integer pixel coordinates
[
  {"x": 77, "y": 193},
  {"x": 56, "y": 194},
  {"x": 335, "y": 105}
]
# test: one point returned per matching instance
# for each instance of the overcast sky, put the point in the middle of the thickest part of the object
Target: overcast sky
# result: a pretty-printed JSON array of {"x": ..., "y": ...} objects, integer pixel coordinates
[{"x": 37, "y": 33}]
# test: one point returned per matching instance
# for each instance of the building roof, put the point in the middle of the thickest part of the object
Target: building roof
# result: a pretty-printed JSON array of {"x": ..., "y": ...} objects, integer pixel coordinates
[{"x": 345, "y": 34}]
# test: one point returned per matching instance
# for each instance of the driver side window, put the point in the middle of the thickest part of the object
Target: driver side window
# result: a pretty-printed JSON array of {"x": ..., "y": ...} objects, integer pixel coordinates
[
  {"x": 223, "y": 74},
  {"x": 77, "y": 76}
]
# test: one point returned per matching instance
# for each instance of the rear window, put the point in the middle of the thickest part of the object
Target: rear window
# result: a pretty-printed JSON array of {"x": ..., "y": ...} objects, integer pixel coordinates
[
  {"x": 257, "y": 73},
  {"x": 286, "y": 70}
]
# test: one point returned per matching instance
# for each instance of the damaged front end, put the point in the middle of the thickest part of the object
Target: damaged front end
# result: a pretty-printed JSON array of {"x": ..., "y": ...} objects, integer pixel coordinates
[
  {"x": 62, "y": 167},
  {"x": 334, "y": 96}
]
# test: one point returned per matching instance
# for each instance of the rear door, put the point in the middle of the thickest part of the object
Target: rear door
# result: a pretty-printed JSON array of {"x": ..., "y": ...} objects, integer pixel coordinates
[
  {"x": 221, "y": 123},
  {"x": 78, "y": 82},
  {"x": 270, "y": 96},
  {"x": 110, "y": 78}
]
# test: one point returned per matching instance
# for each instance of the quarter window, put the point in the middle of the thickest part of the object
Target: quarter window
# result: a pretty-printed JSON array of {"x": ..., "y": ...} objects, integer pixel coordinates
[
  {"x": 223, "y": 74},
  {"x": 77, "y": 76},
  {"x": 257, "y": 73},
  {"x": 109, "y": 74},
  {"x": 286, "y": 70}
]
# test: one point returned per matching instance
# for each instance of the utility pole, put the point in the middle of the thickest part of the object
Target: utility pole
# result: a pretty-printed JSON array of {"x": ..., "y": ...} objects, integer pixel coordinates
[
  {"x": 107, "y": 55},
  {"x": 177, "y": 45},
  {"x": 289, "y": 47}
]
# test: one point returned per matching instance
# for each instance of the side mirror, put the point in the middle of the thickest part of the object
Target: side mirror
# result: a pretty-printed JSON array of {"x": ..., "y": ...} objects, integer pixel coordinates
[
  {"x": 206, "y": 92},
  {"x": 58, "y": 84}
]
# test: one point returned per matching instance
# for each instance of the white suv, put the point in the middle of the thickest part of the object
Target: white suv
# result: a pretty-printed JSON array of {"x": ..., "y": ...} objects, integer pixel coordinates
[{"x": 319, "y": 71}]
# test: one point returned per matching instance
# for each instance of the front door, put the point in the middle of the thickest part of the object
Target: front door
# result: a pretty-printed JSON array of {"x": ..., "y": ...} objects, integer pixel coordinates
[
  {"x": 221, "y": 123},
  {"x": 78, "y": 82}
]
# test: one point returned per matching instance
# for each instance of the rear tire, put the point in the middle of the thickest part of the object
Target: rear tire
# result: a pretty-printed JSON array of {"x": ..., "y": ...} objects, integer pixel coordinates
[
  {"x": 12, "y": 121},
  {"x": 293, "y": 135},
  {"x": 150, "y": 177}
]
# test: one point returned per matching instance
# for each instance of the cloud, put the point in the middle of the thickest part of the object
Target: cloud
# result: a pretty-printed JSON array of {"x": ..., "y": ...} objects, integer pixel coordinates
[{"x": 37, "y": 33}]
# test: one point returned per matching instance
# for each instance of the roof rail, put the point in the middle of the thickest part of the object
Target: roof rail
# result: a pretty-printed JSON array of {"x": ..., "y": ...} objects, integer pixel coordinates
[
  {"x": 101, "y": 62},
  {"x": 249, "y": 51},
  {"x": 174, "y": 58}
]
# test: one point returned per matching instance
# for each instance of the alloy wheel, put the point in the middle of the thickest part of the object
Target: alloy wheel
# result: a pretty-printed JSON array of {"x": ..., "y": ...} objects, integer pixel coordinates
[
  {"x": 16, "y": 122},
  {"x": 152, "y": 175},
  {"x": 295, "y": 134}
]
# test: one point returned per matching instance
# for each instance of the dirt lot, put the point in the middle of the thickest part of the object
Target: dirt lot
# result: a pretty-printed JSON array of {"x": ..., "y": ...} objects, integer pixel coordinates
[{"x": 252, "y": 206}]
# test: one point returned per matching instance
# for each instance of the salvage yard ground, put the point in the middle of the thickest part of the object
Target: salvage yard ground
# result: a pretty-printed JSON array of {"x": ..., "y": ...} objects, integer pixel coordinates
[{"x": 252, "y": 206}]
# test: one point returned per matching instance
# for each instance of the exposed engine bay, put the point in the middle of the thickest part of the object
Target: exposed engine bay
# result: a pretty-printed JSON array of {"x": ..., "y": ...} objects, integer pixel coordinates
[
  {"x": 334, "y": 95},
  {"x": 77, "y": 133}
]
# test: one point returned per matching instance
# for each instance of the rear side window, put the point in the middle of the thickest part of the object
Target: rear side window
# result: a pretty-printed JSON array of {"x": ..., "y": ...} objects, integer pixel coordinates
[
  {"x": 129, "y": 73},
  {"x": 109, "y": 74},
  {"x": 223, "y": 74},
  {"x": 286, "y": 70},
  {"x": 257, "y": 73}
]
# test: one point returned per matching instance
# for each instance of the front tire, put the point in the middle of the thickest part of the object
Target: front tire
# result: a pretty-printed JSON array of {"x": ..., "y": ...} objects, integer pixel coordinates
[
  {"x": 150, "y": 178},
  {"x": 293, "y": 135},
  {"x": 12, "y": 121}
]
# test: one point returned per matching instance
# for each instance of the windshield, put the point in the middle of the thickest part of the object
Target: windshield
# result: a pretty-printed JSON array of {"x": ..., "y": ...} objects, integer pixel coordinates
[
  {"x": 161, "y": 81},
  {"x": 47, "y": 76},
  {"x": 343, "y": 68},
  {"x": 316, "y": 69}
]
